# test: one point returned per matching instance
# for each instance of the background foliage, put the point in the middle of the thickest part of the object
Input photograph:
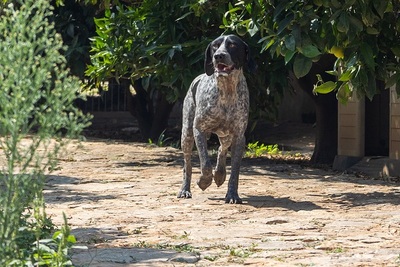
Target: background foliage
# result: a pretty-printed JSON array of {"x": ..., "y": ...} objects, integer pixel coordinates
[
  {"x": 363, "y": 35},
  {"x": 163, "y": 42}
]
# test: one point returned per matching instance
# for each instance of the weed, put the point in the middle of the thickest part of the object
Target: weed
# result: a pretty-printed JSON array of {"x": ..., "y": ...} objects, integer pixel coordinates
[
  {"x": 161, "y": 141},
  {"x": 137, "y": 231},
  {"x": 143, "y": 244},
  {"x": 184, "y": 247},
  {"x": 185, "y": 235},
  {"x": 255, "y": 150},
  {"x": 211, "y": 258},
  {"x": 243, "y": 252},
  {"x": 336, "y": 250}
]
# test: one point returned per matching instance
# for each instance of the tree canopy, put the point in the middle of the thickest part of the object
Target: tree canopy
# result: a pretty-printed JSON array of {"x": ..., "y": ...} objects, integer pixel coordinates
[{"x": 363, "y": 35}]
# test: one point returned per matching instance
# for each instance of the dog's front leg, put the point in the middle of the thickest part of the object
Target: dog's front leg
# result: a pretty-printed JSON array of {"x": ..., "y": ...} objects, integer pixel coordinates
[
  {"x": 237, "y": 150},
  {"x": 206, "y": 176},
  {"x": 220, "y": 168}
]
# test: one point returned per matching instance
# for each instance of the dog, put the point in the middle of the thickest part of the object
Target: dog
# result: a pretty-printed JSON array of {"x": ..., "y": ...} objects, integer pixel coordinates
[{"x": 217, "y": 102}]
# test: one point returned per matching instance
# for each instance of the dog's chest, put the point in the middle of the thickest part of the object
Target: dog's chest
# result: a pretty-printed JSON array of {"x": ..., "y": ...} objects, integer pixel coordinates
[{"x": 222, "y": 106}]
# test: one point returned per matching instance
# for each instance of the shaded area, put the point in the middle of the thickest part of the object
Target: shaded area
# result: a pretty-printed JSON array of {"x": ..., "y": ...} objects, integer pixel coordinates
[
  {"x": 57, "y": 190},
  {"x": 285, "y": 203},
  {"x": 370, "y": 198}
]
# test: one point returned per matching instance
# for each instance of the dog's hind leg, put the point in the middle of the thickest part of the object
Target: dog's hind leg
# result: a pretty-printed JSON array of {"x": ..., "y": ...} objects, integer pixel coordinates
[
  {"x": 206, "y": 175},
  {"x": 187, "y": 142}
]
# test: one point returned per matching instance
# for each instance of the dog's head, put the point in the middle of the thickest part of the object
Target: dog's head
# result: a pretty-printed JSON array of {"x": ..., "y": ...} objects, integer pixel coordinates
[{"x": 225, "y": 54}]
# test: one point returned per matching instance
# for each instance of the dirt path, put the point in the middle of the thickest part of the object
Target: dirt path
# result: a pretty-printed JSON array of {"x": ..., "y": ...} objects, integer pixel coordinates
[{"x": 120, "y": 200}]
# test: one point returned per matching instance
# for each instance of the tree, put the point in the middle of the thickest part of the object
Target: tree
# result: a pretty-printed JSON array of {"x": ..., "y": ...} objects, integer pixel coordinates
[
  {"x": 74, "y": 21},
  {"x": 363, "y": 36},
  {"x": 158, "y": 46}
]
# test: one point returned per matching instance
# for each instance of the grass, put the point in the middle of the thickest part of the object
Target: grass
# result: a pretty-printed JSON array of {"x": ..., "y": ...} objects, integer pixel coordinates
[{"x": 235, "y": 253}]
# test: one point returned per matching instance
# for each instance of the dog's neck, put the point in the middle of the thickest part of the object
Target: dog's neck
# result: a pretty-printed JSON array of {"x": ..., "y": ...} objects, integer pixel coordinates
[{"x": 228, "y": 84}]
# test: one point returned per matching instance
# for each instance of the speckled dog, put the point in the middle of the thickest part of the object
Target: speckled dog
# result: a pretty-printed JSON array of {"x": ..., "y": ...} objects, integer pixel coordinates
[{"x": 217, "y": 102}]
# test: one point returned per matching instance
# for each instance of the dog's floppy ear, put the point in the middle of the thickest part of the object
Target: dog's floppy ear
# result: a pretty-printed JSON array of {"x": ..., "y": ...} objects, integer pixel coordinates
[
  {"x": 208, "y": 64},
  {"x": 251, "y": 64}
]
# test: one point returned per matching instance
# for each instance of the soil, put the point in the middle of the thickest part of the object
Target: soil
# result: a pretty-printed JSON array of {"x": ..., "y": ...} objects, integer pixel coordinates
[{"x": 120, "y": 201}]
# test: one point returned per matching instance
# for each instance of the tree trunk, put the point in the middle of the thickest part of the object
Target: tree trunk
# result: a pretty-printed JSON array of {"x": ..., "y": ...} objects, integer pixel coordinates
[
  {"x": 326, "y": 109},
  {"x": 152, "y": 118},
  {"x": 326, "y": 142}
]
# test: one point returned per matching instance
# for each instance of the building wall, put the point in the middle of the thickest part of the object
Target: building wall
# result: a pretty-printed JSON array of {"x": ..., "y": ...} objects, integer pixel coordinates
[
  {"x": 394, "y": 148},
  {"x": 351, "y": 128}
]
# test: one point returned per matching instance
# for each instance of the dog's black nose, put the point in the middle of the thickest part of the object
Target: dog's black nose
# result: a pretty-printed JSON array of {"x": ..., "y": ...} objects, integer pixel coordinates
[{"x": 219, "y": 56}]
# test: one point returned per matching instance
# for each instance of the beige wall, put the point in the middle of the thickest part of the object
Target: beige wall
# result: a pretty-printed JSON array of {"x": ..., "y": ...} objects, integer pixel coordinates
[
  {"x": 394, "y": 135},
  {"x": 351, "y": 128}
]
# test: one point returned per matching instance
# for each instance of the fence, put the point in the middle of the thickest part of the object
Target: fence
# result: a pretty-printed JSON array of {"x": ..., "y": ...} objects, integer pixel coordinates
[{"x": 112, "y": 100}]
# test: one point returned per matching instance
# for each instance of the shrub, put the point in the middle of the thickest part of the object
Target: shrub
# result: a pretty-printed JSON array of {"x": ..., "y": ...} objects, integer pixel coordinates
[{"x": 37, "y": 118}]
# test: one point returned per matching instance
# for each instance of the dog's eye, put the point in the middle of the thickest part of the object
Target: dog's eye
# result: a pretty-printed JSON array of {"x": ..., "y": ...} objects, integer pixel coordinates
[
  {"x": 232, "y": 45},
  {"x": 215, "y": 46}
]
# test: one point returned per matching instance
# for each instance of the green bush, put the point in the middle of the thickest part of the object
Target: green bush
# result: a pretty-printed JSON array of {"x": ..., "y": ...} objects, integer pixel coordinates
[{"x": 37, "y": 118}]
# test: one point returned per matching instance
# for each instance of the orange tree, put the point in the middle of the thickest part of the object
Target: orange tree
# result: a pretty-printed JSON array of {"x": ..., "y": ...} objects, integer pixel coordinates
[
  {"x": 155, "y": 45},
  {"x": 158, "y": 46},
  {"x": 332, "y": 49}
]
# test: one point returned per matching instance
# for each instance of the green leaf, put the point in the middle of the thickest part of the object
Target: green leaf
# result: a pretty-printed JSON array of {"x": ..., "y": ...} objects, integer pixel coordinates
[
  {"x": 290, "y": 42},
  {"x": 282, "y": 25},
  {"x": 288, "y": 56},
  {"x": 356, "y": 23},
  {"x": 381, "y": 6},
  {"x": 325, "y": 88},
  {"x": 344, "y": 93},
  {"x": 301, "y": 65},
  {"x": 343, "y": 23},
  {"x": 368, "y": 55},
  {"x": 346, "y": 76},
  {"x": 310, "y": 51},
  {"x": 267, "y": 45},
  {"x": 396, "y": 50},
  {"x": 372, "y": 31},
  {"x": 371, "y": 89},
  {"x": 71, "y": 239},
  {"x": 332, "y": 72},
  {"x": 184, "y": 16},
  {"x": 394, "y": 79}
]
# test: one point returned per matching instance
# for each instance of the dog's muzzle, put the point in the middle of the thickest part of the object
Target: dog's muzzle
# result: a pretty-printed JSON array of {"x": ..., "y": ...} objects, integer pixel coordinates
[{"x": 222, "y": 69}]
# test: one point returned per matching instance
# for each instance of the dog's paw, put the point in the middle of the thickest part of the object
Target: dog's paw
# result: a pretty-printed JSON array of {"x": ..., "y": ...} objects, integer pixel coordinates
[
  {"x": 233, "y": 198},
  {"x": 219, "y": 177},
  {"x": 184, "y": 194},
  {"x": 205, "y": 179},
  {"x": 204, "y": 182}
]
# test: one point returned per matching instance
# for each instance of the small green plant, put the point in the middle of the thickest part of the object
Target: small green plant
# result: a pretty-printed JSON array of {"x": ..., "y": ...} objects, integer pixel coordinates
[
  {"x": 255, "y": 150},
  {"x": 161, "y": 141},
  {"x": 243, "y": 252},
  {"x": 184, "y": 247},
  {"x": 336, "y": 250},
  {"x": 54, "y": 251}
]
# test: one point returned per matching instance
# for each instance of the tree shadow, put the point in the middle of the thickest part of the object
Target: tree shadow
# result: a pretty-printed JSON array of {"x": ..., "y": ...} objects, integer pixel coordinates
[
  {"x": 272, "y": 202},
  {"x": 285, "y": 203},
  {"x": 55, "y": 192},
  {"x": 364, "y": 199}
]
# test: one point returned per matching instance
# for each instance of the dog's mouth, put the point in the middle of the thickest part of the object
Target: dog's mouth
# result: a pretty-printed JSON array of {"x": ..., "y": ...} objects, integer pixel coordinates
[{"x": 223, "y": 69}]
